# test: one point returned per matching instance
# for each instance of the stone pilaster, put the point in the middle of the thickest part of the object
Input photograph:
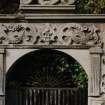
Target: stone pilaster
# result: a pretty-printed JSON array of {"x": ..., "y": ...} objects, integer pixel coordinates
[
  {"x": 95, "y": 76},
  {"x": 2, "y": 77}
]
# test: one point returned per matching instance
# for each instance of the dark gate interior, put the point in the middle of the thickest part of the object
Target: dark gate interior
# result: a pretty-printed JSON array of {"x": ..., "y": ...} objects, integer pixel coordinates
[{"x": 46, "y": 77}]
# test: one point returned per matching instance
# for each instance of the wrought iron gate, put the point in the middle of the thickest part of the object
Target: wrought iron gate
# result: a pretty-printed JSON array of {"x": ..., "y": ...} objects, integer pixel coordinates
[{"x": 48, "y": 96}]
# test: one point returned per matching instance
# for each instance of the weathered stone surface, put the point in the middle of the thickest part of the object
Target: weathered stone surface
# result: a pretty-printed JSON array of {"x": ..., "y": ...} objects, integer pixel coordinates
[
  {"x": 2, "y": 100},
  {"x": 2, "y": 77},
  {"x": 103, "y": 74},
  {"x": 60, "y": 31},
  {"x": 103, "y": 83},
  {"x": 47, "y": 2},
  {"x": 95, "y": 76},
  {"x": 97, "y": 100},
  {"x": 69, "y": 34}
]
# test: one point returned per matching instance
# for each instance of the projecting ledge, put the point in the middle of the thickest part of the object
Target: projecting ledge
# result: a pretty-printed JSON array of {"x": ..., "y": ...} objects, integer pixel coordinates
[{"x": 53, "y": 16}]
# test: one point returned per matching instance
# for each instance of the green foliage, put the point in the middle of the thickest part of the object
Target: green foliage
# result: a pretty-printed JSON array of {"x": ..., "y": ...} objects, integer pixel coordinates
[
  {"x": 79, "y": 77},
  {"x": 47, "y": 69},
  {"x": 90, "y": 6},
  {"x": 60, "y": 72}
]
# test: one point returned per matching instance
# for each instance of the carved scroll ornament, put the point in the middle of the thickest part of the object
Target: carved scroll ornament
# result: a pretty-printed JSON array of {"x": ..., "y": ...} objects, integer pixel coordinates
[
  {"x": 50, "y": 34},
  {"x": 48, "y": 2},
  {"x": 103, "y": 84}
]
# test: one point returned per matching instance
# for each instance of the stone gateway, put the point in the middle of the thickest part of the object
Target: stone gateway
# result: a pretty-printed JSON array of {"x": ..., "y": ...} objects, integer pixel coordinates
[{"x": 52, "y": 25}]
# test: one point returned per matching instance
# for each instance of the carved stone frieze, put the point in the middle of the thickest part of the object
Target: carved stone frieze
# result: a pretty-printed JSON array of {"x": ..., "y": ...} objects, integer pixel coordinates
[
  {"x": 80, "y": 35},
  {"x": 68, "y": 34},
  {"x": 48, "y": 2}
]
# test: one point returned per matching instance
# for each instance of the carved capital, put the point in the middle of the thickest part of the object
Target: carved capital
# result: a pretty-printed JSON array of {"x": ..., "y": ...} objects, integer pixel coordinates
[
  {"x": 2, "y": 51},
  {"x": 96, "y": 50}
]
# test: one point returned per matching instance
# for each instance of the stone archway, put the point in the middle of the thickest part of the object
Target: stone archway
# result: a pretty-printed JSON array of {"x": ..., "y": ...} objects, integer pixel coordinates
[
  {"x": 50, "y": 24},
  {"x": 20, "y": 71},
  {"x": 19, "y": 45}
]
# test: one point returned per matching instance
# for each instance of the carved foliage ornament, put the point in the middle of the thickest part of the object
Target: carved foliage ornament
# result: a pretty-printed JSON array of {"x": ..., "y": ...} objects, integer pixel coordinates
[
  {"x": 47, "y": 2},
  {"x": 103, "y": 84},
  {"x": 103, "y": 75},
  {"x": 50, "y": 34}
]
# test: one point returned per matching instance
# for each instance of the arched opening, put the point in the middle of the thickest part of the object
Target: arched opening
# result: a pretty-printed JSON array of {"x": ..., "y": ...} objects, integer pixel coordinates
[{"x": 46, "y": 77}]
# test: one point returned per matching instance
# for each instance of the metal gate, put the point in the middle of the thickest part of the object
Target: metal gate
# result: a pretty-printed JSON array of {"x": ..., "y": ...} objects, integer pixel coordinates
[{"x": 47, "y": 96}]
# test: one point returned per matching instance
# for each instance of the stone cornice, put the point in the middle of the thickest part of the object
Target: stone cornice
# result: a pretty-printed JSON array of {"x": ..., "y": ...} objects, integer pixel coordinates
[
  {"x": 70, "y": 17},
  {"x": 47, "y": 9},
  {"x": 51, "y": 7}
]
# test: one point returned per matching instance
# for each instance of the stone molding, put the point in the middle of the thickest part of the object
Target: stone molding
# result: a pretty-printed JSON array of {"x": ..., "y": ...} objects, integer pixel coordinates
[
  {"x": 73, "y": 18},
  {"x": 2, "y": 51},
  {"x": 71, "y": 35},
  {"x": 47, "y": 9}
]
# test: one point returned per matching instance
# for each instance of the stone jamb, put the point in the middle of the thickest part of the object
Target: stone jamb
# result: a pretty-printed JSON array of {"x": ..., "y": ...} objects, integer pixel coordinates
[
  {"x": 2, "y": 77},
  {"x": 95, "y": 76},
  {"x": 94, "y": 92}
]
